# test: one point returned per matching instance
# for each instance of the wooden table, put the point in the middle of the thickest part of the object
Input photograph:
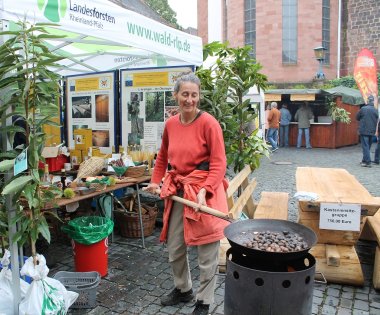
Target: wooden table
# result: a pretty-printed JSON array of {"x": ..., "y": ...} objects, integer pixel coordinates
[
  {"x": 61, "y": 202},
  {"x": 335, "y": 252}
]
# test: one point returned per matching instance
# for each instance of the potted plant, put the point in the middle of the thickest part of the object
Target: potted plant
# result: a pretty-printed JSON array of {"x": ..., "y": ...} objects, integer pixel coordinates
[
  {"x": 30, "y": 92},
  {"x": 224, "y": 86}
]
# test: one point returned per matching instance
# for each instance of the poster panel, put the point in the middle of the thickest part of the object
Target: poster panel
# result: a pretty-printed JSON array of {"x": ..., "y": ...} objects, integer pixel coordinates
[
  {"x": 91, "y": 105},
  {"x": 146, "y": 102}
]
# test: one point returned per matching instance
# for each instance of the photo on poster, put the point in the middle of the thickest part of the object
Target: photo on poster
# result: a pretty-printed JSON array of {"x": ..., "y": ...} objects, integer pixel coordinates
[
  {"x": 160, "y": 132},
  {"x": 171, "y": 111},
  {"x": 137, "y": 131},
  {"x": 134, "y": 105},
  {"x": 154, "y": 106},
  {"x": 101, "y": 138},
  {"x": 79, "y": 127},
  {"x": 102, "y": 108},
  {"x": 81, "y": 106},
  {"x": 169, "y": 99}
]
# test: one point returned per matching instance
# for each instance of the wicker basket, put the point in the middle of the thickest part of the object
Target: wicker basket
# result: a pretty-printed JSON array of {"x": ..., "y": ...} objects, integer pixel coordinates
[
  {"x": 98, "y": 186},
  {"x": 128, "y": 223},
  {"x": 135, "y": 171}
]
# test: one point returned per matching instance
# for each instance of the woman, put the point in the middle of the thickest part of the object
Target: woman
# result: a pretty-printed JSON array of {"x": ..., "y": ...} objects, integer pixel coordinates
[{"x": 193, "y": 143}]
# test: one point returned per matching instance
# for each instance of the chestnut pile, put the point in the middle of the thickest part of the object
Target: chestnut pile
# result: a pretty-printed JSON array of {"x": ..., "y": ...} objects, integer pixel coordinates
[{"x": 279, "y": 242}]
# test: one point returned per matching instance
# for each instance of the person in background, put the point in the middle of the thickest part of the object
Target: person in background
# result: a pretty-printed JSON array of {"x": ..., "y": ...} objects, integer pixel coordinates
[
  {"x": 303, "y": 116},
  {"x": 286, "y": 117},
  {"x": 376, "y": 159},
  {"x": 193, "y": 143},
  {"x": 274, "y": 117},
  {"x": 267, "y": 111},
  {"x": 367, "y": 117}
]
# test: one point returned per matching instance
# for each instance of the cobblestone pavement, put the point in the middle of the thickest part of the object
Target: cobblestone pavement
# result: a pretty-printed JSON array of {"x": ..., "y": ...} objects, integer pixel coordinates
[{"x": 138, "y": 278}]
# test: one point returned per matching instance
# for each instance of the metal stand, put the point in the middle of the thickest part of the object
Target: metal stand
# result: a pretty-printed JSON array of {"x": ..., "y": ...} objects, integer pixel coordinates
[
  {"x": 140, "y": 215},
  {"x": 111, "y": 216}
]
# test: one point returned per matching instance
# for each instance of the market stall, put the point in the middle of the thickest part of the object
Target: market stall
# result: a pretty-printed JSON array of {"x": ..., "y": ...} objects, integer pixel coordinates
[
  {"x": 324, "y": 132},
  {"x": 99, "y": 36}
]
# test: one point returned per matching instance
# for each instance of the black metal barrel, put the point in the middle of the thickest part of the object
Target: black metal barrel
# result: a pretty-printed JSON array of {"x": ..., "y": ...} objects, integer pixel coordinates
[{"x": 274, "y": 289}]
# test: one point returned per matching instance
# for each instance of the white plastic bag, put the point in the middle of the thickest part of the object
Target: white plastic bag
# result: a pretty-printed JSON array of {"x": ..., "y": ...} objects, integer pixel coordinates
[
  {"x": 46, "y": 296},
  {"x": 6, "y": 294}
]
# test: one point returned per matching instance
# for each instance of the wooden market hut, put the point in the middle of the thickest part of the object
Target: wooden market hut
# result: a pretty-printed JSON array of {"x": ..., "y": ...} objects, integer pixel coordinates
[{"x": 324, "y": 132}]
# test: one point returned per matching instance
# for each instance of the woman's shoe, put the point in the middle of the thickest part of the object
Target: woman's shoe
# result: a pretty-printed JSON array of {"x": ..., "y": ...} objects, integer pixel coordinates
[
  {"x": 176, "y": 296},
  {"x": 200, "y": 308}
]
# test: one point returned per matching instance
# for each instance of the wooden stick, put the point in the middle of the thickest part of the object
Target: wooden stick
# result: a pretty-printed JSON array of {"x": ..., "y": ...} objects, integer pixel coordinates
[{"x": 202, "y": 208}]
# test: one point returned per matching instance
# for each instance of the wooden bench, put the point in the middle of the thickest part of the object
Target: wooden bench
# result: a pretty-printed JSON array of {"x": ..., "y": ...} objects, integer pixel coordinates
[
  {"x": 272, "y": 205},
  {"x": 372, "y": 228}
]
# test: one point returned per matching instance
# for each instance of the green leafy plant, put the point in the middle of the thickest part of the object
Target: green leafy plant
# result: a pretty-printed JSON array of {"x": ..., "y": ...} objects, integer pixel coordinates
[
  {"x": 299, "y": 86},
  {"x": 224, "y": 87},
  {"x": 338, "y": 114},
  {"x": 30, "y": 91}
]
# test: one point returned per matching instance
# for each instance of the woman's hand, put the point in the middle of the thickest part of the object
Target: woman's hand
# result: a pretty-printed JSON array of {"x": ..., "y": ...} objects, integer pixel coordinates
[
  {"x": 153, "y": 189},
  {"x": 201, "y": 198}
]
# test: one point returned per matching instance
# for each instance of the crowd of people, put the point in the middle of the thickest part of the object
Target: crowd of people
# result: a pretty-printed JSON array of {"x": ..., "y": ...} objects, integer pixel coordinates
[{"x": 279, "y": 120}]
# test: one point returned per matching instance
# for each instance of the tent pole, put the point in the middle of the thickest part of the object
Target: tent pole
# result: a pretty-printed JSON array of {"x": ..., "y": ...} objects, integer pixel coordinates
[{"x": 9, "y": 205}]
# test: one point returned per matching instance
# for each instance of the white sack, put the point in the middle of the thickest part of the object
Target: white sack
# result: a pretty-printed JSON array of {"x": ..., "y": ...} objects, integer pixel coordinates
[
  {"x": 6, "y": 294},
  {"x": 46, "y": 296}
]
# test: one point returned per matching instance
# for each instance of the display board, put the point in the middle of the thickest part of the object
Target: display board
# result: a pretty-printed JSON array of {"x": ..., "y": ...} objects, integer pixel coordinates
[
  {"x": 91, "y": 105},
  {"x": 146, "y": 102}
]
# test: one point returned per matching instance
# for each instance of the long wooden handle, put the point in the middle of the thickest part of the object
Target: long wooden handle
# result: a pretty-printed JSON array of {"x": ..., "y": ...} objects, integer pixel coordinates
[{"x": 205, "y": 209}]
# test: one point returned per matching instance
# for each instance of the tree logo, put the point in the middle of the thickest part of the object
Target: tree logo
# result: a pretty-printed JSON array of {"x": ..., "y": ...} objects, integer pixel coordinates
[{"x": 53, "y": 9}]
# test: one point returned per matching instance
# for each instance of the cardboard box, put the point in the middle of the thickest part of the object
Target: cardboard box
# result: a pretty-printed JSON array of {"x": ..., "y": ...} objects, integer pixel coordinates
[{"x": 83, "y": 139}]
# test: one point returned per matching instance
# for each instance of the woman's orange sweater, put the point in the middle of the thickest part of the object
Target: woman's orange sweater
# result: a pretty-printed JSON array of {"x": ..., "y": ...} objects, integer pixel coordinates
[{"x": 186, "y": 146}]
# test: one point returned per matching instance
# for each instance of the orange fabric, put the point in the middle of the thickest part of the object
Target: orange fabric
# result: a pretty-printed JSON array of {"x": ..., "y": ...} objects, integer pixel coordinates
[
  {"x": 274, "y": 117},
  {"x": 186, "y": 146},
  {"x": 199, "y": 228}
]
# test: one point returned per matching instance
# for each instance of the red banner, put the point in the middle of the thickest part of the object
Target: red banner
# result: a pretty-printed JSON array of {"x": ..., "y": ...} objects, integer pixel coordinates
[{"x": 365, "y": 74}]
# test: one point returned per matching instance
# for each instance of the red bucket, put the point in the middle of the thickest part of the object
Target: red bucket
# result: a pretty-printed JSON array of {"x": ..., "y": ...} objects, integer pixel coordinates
[{"x": 92, "y": 257}]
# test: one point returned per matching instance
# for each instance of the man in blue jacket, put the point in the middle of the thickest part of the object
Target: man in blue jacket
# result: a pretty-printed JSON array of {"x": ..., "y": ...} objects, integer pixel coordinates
[
  {"x": 367, "y": 117},
  {"x": 286, "y": 117}
]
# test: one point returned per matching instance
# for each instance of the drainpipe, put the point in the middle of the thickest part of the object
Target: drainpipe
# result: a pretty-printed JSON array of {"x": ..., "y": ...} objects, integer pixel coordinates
[{"x": 339, "y": 38}]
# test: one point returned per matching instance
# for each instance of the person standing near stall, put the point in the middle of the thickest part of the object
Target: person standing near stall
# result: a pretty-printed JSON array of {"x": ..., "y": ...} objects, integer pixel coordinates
[
  {"x": 367, "y": 117},
  {"x": 376, "y": 159},
  {"x": 286, "y": 117},
  {"x": 303, "y": 116},
  {"x": 274, "y": 117},
  {"x": 193, "y": 143},
  {"x": 266, "y": 125}
]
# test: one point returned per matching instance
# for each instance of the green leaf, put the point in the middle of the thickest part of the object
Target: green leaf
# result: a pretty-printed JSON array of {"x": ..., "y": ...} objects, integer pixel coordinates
[
  {"x": 6, "y": 165},
  {"x": 16, "y": 185},
  {"x": 43, "y": 228}
]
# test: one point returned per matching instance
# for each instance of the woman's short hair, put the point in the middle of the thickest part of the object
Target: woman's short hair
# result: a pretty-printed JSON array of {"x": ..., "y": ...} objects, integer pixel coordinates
[{"x": 188, "y": 77}]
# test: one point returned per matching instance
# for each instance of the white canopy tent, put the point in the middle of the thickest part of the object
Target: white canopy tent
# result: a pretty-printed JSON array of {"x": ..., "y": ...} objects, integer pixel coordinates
[
  {"x": 102, "y": 36},
  {"x": 99, "y": 36}
]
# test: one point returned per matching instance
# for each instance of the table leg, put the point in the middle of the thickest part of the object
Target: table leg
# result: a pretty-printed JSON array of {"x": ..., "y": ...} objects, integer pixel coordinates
[
  {"x": 100, "y": 209},
  {"x": 140, "y": 215}
]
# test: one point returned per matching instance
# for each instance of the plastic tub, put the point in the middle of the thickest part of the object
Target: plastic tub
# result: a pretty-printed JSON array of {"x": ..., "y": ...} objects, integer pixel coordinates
[{"x": 84, "y": 283}]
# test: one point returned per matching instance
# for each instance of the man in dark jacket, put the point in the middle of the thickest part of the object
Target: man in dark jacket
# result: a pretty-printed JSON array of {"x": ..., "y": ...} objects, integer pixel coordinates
[{"x": 367, "y": 117}]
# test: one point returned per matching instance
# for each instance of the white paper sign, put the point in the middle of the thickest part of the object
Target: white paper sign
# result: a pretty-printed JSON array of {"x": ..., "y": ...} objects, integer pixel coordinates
[{"x": 342, "y": 217}]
